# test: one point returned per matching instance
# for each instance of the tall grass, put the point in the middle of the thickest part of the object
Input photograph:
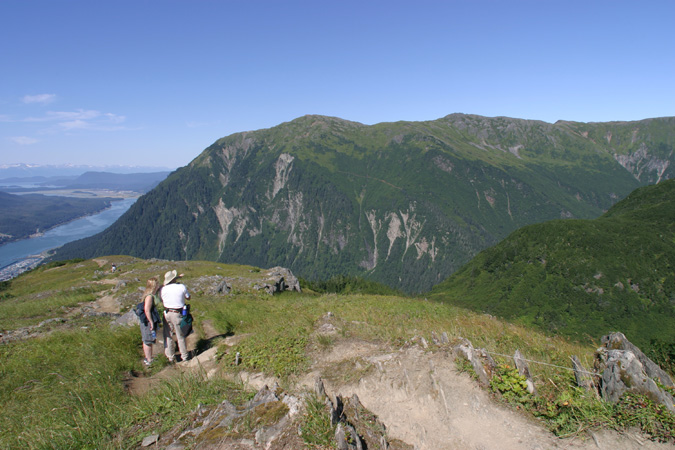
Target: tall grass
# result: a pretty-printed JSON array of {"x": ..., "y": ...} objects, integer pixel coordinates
[{"x": 65, "y": 391}]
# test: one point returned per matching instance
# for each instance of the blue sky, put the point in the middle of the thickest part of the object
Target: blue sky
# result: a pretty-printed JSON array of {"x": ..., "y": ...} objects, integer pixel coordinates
[{"x": 153, "y": 83}]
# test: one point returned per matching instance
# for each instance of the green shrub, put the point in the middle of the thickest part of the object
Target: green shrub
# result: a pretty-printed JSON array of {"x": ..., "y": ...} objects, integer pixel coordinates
[
  {"x": 510, "y": 384},
  {"x": 342, "y": 284},
  {"x": 639, "y": 411}
]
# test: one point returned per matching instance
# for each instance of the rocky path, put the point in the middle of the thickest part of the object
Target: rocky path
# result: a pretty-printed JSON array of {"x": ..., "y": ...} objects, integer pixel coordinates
[
  {"x": 426, "y": 402},
  {"x": 418, "y": 394},
  {"x": 421, "y": 398}
]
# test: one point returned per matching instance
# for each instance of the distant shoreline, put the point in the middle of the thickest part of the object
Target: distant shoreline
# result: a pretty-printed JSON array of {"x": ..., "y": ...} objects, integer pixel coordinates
[
  {"x": 28, "y": 260},
  {"x": 114, "y": 196},
  {"x": 78, "y": 193}
]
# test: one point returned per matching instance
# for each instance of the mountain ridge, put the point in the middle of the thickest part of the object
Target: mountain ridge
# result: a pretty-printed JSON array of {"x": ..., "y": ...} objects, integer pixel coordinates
[{"x": 403, "y": 203}]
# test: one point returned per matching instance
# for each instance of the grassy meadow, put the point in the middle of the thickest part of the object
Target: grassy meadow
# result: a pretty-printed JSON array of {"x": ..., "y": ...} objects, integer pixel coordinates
[{"x": 63, "y": 388}]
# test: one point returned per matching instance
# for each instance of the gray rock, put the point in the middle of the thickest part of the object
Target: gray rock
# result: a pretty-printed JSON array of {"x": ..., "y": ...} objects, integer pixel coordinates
[
  {"x": 341, "y": 438},
  {"x": 319, "y": 389},
  {"x": 617, "y": 341},
  {"x": 444, "y": 338},
  {"x": 524, "y": 370},
  {"x": 149, "y": 440},
  {"x": 465, "y": 350},
  {"x": 623, "y": 371},
  {"x": 223, "y": 287},
  {"x": 282, "y": 279},
  {"x": 127, "y": 319}
]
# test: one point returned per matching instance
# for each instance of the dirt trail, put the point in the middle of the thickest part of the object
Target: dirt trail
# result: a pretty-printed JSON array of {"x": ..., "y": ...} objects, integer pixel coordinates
[
  {"x": 418, "y": 394},
  {"x": 426, "y": 402},
  {"x": 137, "y": 383},
  {"x": 108, "y": 304}
]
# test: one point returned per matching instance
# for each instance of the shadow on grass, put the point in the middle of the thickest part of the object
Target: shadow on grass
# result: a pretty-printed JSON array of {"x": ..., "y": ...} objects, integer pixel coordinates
[{"x": 204, "y": 344}]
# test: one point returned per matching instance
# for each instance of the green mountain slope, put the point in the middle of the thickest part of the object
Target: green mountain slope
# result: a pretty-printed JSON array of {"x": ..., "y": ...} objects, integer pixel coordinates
[
  {"x": 583, "y": 277},
  {"x": 405, "y": 203}
]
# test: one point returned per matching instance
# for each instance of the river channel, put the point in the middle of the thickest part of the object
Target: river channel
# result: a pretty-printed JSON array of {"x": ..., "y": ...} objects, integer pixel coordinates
[{"x": 14, "y": 253}]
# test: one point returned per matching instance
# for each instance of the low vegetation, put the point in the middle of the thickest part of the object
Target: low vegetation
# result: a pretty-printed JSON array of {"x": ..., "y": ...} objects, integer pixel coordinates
[{"x": 65, "y": 389}]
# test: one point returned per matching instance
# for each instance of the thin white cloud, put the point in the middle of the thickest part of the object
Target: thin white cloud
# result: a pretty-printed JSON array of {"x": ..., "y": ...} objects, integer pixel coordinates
[
  {"x": 55, "y": 116},
  {"x": 114, "y": 118},
  {"x": 23, "y": 140},
  {"x": 81, "y": 119},
  {"x": 40, "y": 98},
  {"x": 77, "y": 124}
]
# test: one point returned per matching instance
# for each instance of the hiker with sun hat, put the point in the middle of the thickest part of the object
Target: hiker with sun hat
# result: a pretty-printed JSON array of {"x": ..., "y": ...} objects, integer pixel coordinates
[{"x": 173, "y": 295}]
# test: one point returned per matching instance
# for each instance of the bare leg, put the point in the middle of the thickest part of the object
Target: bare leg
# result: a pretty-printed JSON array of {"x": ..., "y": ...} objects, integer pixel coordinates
[{"x": 147, "y": 349}]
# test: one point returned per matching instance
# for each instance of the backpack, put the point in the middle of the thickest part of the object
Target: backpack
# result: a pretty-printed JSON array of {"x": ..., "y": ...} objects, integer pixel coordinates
[{"x": 139, "y": 309}]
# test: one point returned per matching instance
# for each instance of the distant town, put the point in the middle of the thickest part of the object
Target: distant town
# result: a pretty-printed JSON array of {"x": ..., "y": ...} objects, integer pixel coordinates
[{"x": 16, "y": 269}]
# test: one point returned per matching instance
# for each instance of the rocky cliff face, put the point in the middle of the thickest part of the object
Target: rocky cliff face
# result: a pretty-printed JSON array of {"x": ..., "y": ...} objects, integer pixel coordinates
[{"x": 403, "y": 203}]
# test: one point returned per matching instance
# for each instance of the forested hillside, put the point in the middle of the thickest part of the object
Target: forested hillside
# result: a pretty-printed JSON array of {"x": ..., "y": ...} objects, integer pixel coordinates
[
  {"x": 405, "y": 203},
  {"x": 24, "y": 215},
  {"x": 583, "y": 277}
]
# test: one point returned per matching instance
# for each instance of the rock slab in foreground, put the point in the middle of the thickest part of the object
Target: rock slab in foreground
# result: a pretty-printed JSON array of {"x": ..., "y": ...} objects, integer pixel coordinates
[{"x": 624, "y": 368}]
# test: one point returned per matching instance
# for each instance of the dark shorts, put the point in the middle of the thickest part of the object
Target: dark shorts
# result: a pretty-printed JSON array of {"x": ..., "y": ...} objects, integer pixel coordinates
[{"x": 146, "y": 334}]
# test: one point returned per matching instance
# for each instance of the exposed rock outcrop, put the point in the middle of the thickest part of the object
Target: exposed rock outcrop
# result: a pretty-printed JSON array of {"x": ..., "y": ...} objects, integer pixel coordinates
[
  {"x": 227, "y": 426},
  {"x": 356, "y": 427},
  {"x": 279, "y": 279},
  {"x": 624, "y": 368},
  {"x": 483, "y": 365},
  {"x": 617, "y": 341}
]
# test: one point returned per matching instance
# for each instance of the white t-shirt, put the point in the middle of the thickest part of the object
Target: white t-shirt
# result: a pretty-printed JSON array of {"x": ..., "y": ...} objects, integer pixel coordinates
[{"x": 174, "y": 295}]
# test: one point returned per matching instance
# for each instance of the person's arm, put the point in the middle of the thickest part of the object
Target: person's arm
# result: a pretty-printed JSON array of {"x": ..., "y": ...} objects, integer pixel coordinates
[{"x": 147, "y": 308}]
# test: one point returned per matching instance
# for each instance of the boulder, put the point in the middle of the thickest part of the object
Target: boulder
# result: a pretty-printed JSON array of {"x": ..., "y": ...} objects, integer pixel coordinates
[
  {"x": 623, "y": 370},
  {"x": 127, "y": 319},
  {"x": 617, "y": 341},
  {"x": 282, "y": 279}
]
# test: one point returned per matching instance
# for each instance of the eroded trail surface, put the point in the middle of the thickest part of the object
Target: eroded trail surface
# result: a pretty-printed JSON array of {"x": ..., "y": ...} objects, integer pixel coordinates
[
  {"x": 426, "y": 402},
  {"x": 418, "y": 393}
]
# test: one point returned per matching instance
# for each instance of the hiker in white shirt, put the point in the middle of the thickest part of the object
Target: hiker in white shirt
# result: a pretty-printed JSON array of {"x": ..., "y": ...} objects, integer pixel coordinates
[{"x": 173, "y": 295}]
